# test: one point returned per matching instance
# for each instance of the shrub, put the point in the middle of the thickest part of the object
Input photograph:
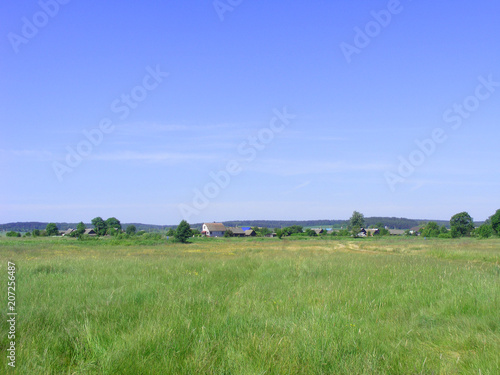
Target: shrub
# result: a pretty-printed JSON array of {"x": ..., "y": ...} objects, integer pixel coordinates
[
  {"x": 484, "y": 231},
  {"x": 344, "y": 233},
  {"x": 13, "y": 234},
  {"x": 310, "y": 233}
]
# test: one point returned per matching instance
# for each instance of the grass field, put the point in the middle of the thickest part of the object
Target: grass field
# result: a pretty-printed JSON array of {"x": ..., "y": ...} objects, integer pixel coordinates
[{"x": 237, "y": 306}]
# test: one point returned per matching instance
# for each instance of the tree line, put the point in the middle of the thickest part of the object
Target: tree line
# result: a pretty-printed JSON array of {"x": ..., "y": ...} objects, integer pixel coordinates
[
  {"x": 461, "y": 225},
  {"x": 390, "y": 222}
]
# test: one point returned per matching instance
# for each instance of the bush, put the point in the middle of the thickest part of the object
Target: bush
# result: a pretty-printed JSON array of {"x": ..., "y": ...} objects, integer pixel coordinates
[
  {"x": 445, "y": 235},
  {"x": 344, "y": 233},
  {"x": 86, "y": 237},
  {"x": 484, "y": 231},
  {"x": 310, "y": 233},
  {"x": 152, "y": 236},
  {"x": 431, "y": 230},
  {"x": 13, "y": 234},
  {"x": 298, "y": 235}
]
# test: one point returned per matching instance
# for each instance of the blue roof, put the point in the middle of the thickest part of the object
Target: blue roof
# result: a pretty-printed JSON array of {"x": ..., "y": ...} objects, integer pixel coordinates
[{"x": 246, "y": 228}]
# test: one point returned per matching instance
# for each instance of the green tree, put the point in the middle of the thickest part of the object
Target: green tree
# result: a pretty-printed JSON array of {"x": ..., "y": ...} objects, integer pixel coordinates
[
  {"x": 495, "y": 222},
  {"x": 357, "y": 220},
  {"x": 228, "y": 233},
  {"x": 484, "y": 231},
  {"x": 443, "y": 229},
  {"x": 264, "y": 231},
  {"x": 183, "y": 231},
  {"x": 51, "y": 229},
  {"x": 430, "y": 230},
  {"x": 13, "y": 234},
  {"x": 114, "y": 223},
  {"x": 36, "y": 232},
  {"x": 171, "y": 232},
  {"x": 355, "y": 231},
  {"x": 80, "y": 229},
  {"x": 131, "y": 229},
  {"x": 311, "y": 233},
  {"x": 100, "y": 226},
  {"x": 461, "y": 225}
]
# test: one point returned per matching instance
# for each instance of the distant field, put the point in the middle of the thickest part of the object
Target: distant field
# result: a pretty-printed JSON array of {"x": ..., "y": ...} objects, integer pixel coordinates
[{"x": 239, "y": 306}]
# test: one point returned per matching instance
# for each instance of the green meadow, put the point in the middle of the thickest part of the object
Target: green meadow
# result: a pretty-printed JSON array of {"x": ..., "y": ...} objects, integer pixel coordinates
[{"x": 254, "y": 306}]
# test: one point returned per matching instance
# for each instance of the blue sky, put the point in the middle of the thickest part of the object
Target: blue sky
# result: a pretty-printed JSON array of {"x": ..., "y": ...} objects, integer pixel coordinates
[{"x": 174, "y": 91}]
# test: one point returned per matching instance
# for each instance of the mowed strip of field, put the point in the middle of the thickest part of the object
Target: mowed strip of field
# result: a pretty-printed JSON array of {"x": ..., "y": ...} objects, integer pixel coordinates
[{"x": 230, "y": 306}]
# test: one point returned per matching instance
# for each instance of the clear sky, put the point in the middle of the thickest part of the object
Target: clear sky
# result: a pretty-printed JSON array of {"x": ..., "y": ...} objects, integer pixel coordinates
[{"x": 303, "y": 109}]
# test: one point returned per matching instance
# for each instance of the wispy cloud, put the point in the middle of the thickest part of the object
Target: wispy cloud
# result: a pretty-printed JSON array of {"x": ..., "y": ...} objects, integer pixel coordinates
[
  {"x": 282, "y": 167},
  {"x": 39, "y": 155},
  {"x": 300, "y": 186},
  {"x": 158, "y": 157}
]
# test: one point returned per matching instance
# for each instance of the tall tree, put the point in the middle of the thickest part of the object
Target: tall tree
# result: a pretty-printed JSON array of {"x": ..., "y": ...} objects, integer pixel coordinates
[
  {"x": 51, "y": 229},
  {"x": 495, "y": 222},
  {"x": 100, "y": 226},
  {"x": 461, "y": 224},
  {"x": 357, "y": 220},
  {"x": 113, "y": 222},
  {"x": 80, "y": 229},
  {"x": 183, "y": 231},
  {"x": 131, "y": 229}
]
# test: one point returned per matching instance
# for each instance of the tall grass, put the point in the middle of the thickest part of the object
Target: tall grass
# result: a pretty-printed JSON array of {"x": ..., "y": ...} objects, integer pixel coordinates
[{"x": 389, "y": 306}]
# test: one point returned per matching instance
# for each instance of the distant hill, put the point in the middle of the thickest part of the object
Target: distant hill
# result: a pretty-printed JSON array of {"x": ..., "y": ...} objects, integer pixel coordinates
[{"x": 391, "y": 222}]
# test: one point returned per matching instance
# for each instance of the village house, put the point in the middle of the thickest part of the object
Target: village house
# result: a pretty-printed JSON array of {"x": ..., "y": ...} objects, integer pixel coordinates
[
  {"x": 90, "y": 232},
  {"x": 213, "y": 229},
  {"x": 66, "y": 232},
  {"x": 236, "y": 232},
  {"x": 250, "y": 233}
]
